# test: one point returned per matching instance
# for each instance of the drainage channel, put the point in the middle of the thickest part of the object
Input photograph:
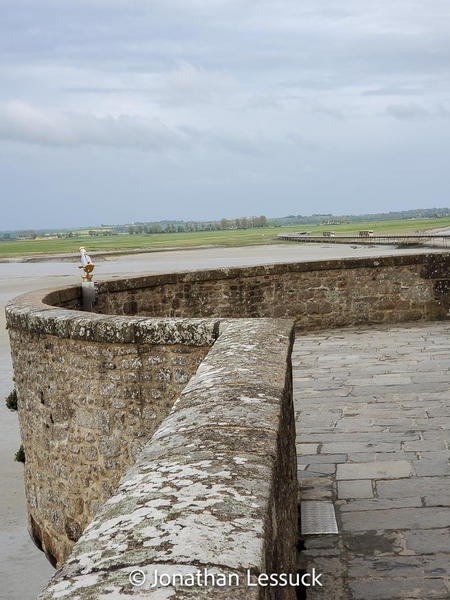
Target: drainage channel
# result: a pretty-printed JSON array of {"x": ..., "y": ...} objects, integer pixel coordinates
[{"x": 315, "y": 518}]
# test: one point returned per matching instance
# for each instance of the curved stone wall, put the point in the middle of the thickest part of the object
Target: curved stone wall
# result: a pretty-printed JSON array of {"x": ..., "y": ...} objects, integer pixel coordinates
[
  {"x": 318, "y": 294},
  {"x": 92, "y": 390}
]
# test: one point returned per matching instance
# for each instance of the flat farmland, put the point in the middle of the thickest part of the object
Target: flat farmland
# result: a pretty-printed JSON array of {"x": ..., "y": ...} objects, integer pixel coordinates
[{"x": 223, "y": 238}]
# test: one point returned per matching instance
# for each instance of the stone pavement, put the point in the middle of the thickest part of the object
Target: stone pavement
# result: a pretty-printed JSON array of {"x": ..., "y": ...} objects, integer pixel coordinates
[{"x": 373, "y": 418}]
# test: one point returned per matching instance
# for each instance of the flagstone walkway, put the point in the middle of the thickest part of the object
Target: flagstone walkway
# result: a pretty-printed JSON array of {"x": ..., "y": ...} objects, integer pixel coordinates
[{"x": 373, "y": 433}]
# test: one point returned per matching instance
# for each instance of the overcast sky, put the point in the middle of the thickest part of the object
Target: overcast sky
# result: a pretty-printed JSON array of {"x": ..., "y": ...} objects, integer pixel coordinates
[{"x": 115, "y": 111}]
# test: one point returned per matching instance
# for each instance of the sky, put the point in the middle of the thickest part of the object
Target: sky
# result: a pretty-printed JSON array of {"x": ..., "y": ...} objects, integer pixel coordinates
[{"x": 116, "y": 111}]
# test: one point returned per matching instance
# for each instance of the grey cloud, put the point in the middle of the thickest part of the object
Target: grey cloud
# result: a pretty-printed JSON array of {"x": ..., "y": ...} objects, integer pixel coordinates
[
  {"x": 302, "y": 142},
  {"x": 102, "y": 90},
  {"x": 395, "y": 90},
  {"x": 248, "y": 143},
  {"x": 314, "y": 106},
  {"x": 24, "y": 123},
  {"x": 408, "y": 111},
  {"x": 328, "y": 43},
  {"x": 251, "y": 143},
  {"x": 21, "y": 122},
  {"x": 184, "y": 85},
  {"x": 442, "y": 111},
  {"x": 415, "y": 112},
  {"x": 191, "y": 84},
  {"x": 263, "y": 102}
]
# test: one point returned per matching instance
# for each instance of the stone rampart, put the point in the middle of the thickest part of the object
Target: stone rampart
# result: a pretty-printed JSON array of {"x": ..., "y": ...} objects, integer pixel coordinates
[
  {"x": 213, "y": 491},
  {"x": 319, "y": 294},
  {"x": 94, "y": 388}
]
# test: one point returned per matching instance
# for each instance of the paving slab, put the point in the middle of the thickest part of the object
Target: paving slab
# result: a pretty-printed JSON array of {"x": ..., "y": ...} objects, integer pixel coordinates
[
  {"x": 355, "y": 489},
  {"x": 398, "y": 588},
  {"x": 415, "y": 486},
  {"x": 404, "y": 566},
  {"x": 428, "y": 541},
  {"x": 350, "y": 446},
  {"x": 322, "y": 458},
  {"x": 372, "y": 503},
  {"x": 394, "y": 469},
  {"x": 396, "y": 519},
  {"x": 372, "y": 409}
]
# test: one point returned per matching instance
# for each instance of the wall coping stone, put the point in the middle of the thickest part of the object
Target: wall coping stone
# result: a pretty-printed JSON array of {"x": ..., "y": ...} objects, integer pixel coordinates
[
  {"x": 32, "y": 313},
  {"x": 191, "y": 276}
]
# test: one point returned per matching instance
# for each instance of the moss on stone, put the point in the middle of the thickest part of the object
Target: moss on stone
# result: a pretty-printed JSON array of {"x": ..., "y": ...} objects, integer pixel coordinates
[
  {"x": 11, "y": 400},
  {"x": 20, "y": 454}
]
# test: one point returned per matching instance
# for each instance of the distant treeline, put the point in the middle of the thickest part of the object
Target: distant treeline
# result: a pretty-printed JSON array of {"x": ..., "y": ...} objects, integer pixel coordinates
[
  {"x": 329, "y": 219},
  {"x": 172, "y": 226},
  {"x": 186, "y": 226}
]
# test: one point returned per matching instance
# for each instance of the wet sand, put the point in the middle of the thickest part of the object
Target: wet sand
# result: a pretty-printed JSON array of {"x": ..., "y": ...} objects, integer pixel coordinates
[{"x": 23, "y": 568}]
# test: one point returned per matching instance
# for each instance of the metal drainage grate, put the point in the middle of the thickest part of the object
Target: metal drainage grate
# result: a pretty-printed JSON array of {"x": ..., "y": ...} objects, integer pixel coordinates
[{"x": 318, "y": 517}]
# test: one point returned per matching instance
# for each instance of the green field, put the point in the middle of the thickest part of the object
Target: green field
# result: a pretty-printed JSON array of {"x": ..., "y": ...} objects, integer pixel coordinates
[
  {"x": 127, "y": 243},
  {"x": 231, "y": 237},
  {"x": 400, "y": 226}
]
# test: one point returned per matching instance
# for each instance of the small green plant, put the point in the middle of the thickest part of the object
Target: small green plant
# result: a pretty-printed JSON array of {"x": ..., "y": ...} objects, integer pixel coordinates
[
  {"x": 20, "y": 455},
  {"x": 11, "y": 400}
]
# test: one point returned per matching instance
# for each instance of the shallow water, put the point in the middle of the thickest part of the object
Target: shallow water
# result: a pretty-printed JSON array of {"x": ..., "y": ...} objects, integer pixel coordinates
[{"x": 23, "y": 568}]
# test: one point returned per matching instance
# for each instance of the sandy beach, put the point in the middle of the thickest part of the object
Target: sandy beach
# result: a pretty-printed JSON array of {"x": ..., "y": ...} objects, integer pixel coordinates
[{"x": 23, "y": 568}]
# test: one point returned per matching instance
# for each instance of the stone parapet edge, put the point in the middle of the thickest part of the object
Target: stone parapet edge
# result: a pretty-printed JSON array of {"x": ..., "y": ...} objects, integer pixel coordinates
[
  {"x": 39, "y": 312},
  {"x": 142, "y": 281},
  {"x": 214, "y": 489}
]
